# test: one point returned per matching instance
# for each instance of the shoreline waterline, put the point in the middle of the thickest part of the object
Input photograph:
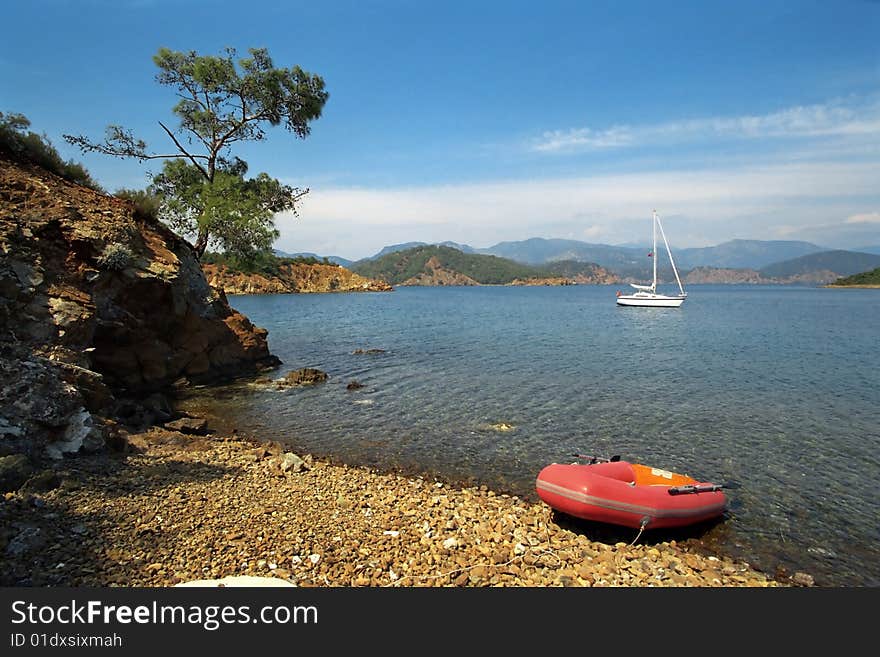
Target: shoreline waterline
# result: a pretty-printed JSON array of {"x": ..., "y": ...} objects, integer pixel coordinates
[
  {"x": 179, "y": 508},
  {"x": 766, "y": 389}
]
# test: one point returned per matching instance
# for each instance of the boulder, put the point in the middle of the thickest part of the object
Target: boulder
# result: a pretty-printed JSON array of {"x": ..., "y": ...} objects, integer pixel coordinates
[
  {"x": 43, "y": 481},
  {"x": 190, "y": 425},
  {"x": 290, "y": 462},
  {"x": 15, "y": 470},
  {"x": 141, "y": 324},
  {"x": 302, "y": 377}
]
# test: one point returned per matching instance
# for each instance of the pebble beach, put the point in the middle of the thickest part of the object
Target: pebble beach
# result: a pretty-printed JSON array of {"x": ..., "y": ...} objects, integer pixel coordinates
[{"x": 172, "y": 508}]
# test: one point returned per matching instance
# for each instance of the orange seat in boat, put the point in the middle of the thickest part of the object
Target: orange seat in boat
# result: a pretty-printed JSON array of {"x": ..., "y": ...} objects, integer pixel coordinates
[{"x": 648, "y": 476}]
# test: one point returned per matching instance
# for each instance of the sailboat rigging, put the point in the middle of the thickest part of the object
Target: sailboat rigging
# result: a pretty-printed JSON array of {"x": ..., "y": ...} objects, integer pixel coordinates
[{"x": 647, "y": 294}]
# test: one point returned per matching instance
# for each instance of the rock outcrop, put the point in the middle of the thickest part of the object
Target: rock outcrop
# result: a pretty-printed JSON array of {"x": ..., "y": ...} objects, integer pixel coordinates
[
  {"x": 96, "y": 304},
  {"x": 436, "y": 274},
  {"x": 597, "y": 276},
  {"x": 751, "y": 277},
  {"x": 292, "y": 278}
]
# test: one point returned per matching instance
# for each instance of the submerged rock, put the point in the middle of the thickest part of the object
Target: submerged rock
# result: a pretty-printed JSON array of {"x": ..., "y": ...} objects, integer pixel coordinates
[{"x": 502, "y": 426}]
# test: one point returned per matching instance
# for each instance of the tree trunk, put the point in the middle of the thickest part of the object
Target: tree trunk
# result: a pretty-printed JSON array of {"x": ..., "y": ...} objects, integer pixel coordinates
[{"x": 201, "y": 243}]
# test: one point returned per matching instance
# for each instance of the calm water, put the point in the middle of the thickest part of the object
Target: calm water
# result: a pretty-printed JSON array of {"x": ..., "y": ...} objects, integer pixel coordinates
[{"x": 773, "y": 389}]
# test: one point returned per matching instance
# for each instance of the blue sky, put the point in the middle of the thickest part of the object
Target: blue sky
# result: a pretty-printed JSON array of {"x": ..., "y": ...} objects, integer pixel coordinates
[{"x": 481, "y": 122}]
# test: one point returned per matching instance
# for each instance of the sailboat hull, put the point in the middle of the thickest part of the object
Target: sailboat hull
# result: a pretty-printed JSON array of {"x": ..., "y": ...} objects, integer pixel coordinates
[
  {"x": 647, "y": 294},
  {"x": 650, "y": 300}
]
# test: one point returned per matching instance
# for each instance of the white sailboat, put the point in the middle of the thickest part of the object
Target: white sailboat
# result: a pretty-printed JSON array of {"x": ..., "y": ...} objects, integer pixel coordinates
[{"x": 647, "y": 294}]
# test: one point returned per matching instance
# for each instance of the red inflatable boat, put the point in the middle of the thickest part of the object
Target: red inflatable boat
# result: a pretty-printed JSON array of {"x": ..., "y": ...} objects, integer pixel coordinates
[{"x": 629, "y": 494}]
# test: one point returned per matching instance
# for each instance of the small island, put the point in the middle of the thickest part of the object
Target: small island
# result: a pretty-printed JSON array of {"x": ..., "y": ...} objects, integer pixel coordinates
[{"x": 867, "y": 279}]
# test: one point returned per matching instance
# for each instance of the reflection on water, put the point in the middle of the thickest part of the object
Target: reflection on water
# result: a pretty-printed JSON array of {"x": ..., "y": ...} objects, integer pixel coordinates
[{"x": 772, "y": 389}]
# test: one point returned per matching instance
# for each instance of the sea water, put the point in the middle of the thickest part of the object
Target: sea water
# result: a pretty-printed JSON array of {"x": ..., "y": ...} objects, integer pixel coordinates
[{"x": 773, "y": 390}]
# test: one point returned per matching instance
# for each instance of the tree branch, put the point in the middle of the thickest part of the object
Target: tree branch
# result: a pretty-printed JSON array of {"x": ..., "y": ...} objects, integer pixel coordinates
[{"x": 192, "y": 158}]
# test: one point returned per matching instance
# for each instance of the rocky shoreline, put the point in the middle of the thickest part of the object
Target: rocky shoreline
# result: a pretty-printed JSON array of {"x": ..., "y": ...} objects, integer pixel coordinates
[
  {"x": 292, "y": 278},
  {"x": 103, "y": 313},
  {"x": 173, "y": 507}
]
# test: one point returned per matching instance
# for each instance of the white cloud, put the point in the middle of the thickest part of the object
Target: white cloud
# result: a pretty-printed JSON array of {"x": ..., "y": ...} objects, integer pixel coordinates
[
  {"x": 821, "y": 120},
  {"x": 864, "y": 218},
  {"x": 585, "y": 138},
  {"x": 703, "y": 207}
]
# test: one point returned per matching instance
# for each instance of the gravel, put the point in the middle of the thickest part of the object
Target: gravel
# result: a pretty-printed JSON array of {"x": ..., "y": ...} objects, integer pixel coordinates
[{"x": 177, "y": 508}]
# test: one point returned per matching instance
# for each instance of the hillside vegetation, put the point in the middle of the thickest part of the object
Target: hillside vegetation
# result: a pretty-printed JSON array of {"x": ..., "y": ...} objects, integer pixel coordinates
[
  {"x": 266, "y": 264},
  {"x": 22, "y": 144},
  {"x": 865, "y": 278},
  {"x": 427, "y": 265},
  {"x": 841, "y": 263}
]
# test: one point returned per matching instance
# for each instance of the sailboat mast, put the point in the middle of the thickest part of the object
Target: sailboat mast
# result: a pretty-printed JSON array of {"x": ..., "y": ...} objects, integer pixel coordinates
[
  {"x": 654, "y": 253},
  {"x": 669, "y": 252}
]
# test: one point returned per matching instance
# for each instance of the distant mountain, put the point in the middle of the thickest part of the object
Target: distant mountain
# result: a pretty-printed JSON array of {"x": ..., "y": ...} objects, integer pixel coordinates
[
  {"x": 744, "y": 254},
  {"x": 538, "y": 251},
  {"x": 631, "y": 260},
  {"x": 869, "y": 249},
  {"x": 840, "y": 263},
  {"x": 443, "y": 265},
  {"x": 334, "y": 259},
  {"x": 394, "y": 248}
]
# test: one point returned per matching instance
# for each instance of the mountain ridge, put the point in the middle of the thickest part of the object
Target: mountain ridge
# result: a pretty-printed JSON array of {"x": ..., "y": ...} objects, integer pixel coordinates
[{"x": 444, "y": 265}]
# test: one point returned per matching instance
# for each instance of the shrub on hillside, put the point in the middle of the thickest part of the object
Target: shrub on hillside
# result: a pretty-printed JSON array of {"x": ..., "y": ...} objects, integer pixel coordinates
[
  {"x": 23, "y": 144},
  {"x": 146, "y": 204},
  {"x": 115, "y": 257}
]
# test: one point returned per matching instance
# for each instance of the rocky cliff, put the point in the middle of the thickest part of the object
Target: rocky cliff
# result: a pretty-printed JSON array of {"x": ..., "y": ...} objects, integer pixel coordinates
[
  {"x": 434, "y": 273},
  {"x": 595, "y": 275},
  {"x": 98, "y": 304},
  {"x": 751, "y": 277},
  {"x": 726, "y": 276},
  {"x": 292, "y": 278}
]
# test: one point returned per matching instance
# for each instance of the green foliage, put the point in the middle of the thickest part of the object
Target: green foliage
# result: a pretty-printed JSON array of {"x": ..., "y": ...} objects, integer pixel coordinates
[
  {"x": 231, "y": 213},
  {"x": 146, "y": 203},
  {"x": 21, "y": 143},
  {"x": 222, "y": 102},
  {"x": 400, "y": 266},
  {"x": 567, "y": 269},
  {"x": 864, "y": 278},
  {"x": 263, "y": 262},
  {"x": 229, "y": 100},
  {"x": 115, "y": 257}
]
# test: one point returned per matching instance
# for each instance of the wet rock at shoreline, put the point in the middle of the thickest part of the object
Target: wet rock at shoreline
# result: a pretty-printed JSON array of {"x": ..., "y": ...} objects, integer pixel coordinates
[
  {"x": 305, "y": 376},
  {"x": 190, "y": 425},
  {"x": 354, "y": 385},
  {"x": 290, "y": 462}
]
